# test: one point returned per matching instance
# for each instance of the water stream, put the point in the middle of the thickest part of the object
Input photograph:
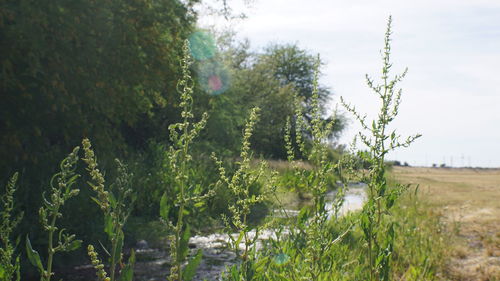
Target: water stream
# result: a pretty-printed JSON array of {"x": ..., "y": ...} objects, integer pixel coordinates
[{"x": 153, "y": 264}]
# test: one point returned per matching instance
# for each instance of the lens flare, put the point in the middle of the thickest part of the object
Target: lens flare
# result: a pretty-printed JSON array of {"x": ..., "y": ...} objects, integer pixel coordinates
[
  {"x": 281, "y": 259},
  {"x": 214, "y": 77},
  {"x": 214, "y": 83},
  {"x": 202, "y": 45}
]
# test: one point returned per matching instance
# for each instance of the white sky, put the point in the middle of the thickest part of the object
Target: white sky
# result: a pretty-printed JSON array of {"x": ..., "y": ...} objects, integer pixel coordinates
[{"x": 451, "y": 94}]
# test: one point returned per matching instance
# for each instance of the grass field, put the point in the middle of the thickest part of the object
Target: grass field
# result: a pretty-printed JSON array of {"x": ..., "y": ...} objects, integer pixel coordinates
[{"x": 469, "y": 201}]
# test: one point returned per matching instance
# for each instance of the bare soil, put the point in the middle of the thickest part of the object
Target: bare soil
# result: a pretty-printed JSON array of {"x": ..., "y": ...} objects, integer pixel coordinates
[{"x": 469, "y": 201}]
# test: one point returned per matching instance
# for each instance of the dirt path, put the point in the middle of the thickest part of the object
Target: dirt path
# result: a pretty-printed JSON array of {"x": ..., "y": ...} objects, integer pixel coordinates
[{"x": 469, "y": 200}]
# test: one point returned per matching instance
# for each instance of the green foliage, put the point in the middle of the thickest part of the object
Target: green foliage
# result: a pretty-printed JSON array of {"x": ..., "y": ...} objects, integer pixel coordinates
[
  {"x": 376, "y": 218},
  {"x": 60, "y": 191},
  {"x": 239, "y": 185},
  {"x": 85, "y": 62},
  {"x": 116, "y": 207},
  {"x": 105, "y": 70},
  {"x": 9, "y": 264},
  {"x": 317, "y": 247},
  {"x": 108, "y": 71},
  {"x": 294, "y": 66},
  {"x": 310, "y": 235},
  {"x": 268, "y": 80}
]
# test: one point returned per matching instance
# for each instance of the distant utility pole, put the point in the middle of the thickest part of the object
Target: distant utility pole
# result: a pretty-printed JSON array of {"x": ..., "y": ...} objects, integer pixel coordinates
[{"x": 451, "y": 161}]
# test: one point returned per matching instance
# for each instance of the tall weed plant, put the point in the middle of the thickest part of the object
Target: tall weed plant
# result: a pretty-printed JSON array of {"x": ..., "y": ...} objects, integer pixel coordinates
[
  {"x": 186, "y": 194},
  {"x": 376, "y": 217},
  {"x": 58, "y": 240},
  {"x": 239, "y": 184},
  {"x": 116, "y": 203},
  {"x": 303, "y": 250},
  {"x": 311, "y": 225}
]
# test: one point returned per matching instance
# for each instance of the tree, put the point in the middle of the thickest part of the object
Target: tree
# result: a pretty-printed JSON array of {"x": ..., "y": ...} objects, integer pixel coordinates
[
  {"x": 84, "y": 68},
  {"x": 106, "y": 70},
  {"x": 269, "y": 80},
  {"x": 295, "y": 67}
]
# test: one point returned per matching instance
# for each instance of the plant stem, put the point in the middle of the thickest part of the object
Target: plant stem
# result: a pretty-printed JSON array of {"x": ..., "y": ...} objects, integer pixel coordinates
[
  {"x": 114, "y": 244},
  {"x": 48, "y": 272}
]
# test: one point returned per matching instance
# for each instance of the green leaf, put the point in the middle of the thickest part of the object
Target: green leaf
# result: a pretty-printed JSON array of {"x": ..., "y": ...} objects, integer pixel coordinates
[
  {"x": 190, "y": 270},
  {"x": 235, "y": 273},
  {"x": 199, "y": 204},
  {"x": 164, "y": 207},
  {"x": 18, "y": 269},
  {"x": 70, "y": 182},
  {"x": 33, "y": 255},
  {"x": 112, "y": 200},
  {"x": 48, "y": 204},
  {"x": 119, "y": 246},
  {"x": 184, "y": 242},
  {"x": 2, "y": 273},
  {"x": 240, "y": 237},
  {"x": 260, "y": 265},
  {"x": 74, "y": 245},
  {"x": 127, "y": 273},
  {"x": 108, "y": 225},
  {"x": 250, "y": 270},
  {"x": 96, "y": 200},
  {"x": 303, "y": 215}
]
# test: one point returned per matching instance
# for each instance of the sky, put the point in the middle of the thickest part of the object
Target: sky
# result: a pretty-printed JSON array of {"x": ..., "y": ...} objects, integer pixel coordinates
[{"x": 451, "y": 94}]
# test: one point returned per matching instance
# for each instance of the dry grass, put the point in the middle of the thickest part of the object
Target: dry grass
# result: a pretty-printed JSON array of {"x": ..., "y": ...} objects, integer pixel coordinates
[
  {"x": 282, "y": 165},
  {"x": 469, "y": 199}
]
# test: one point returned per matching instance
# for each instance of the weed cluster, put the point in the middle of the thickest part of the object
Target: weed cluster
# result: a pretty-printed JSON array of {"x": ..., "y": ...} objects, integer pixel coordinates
[
  {"x": 379, "y": 232},
  {"x": 186, "y": 194}
]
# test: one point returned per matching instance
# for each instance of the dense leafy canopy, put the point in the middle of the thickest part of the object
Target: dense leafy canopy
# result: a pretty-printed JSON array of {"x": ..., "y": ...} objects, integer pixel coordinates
[{"x": 108, "y": 70}]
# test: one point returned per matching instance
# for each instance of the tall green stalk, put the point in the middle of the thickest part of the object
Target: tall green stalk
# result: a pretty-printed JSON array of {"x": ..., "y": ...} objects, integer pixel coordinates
[
  {"x": 311, "y": 227},
  {"x": 239, "y": 185},
  {"x": 116, "y": 202},
  {"x": 375, "y": 221},
  {"x": 182, "y": 135},
  {"x": 60, "y": 191}
]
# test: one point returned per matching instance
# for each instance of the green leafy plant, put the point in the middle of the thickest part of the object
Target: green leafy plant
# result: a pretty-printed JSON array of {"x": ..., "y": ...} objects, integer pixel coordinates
[
  {"x": 186, "y": 193},
  {"x": 311, "y": 233},
  {"x": 239, "y": 185},
  {"x": 116, "y": 203},
  {"x": 9, "y": 265},
  {"x": 375, "y": 221},
  {"x": 60, "y": 191}
]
